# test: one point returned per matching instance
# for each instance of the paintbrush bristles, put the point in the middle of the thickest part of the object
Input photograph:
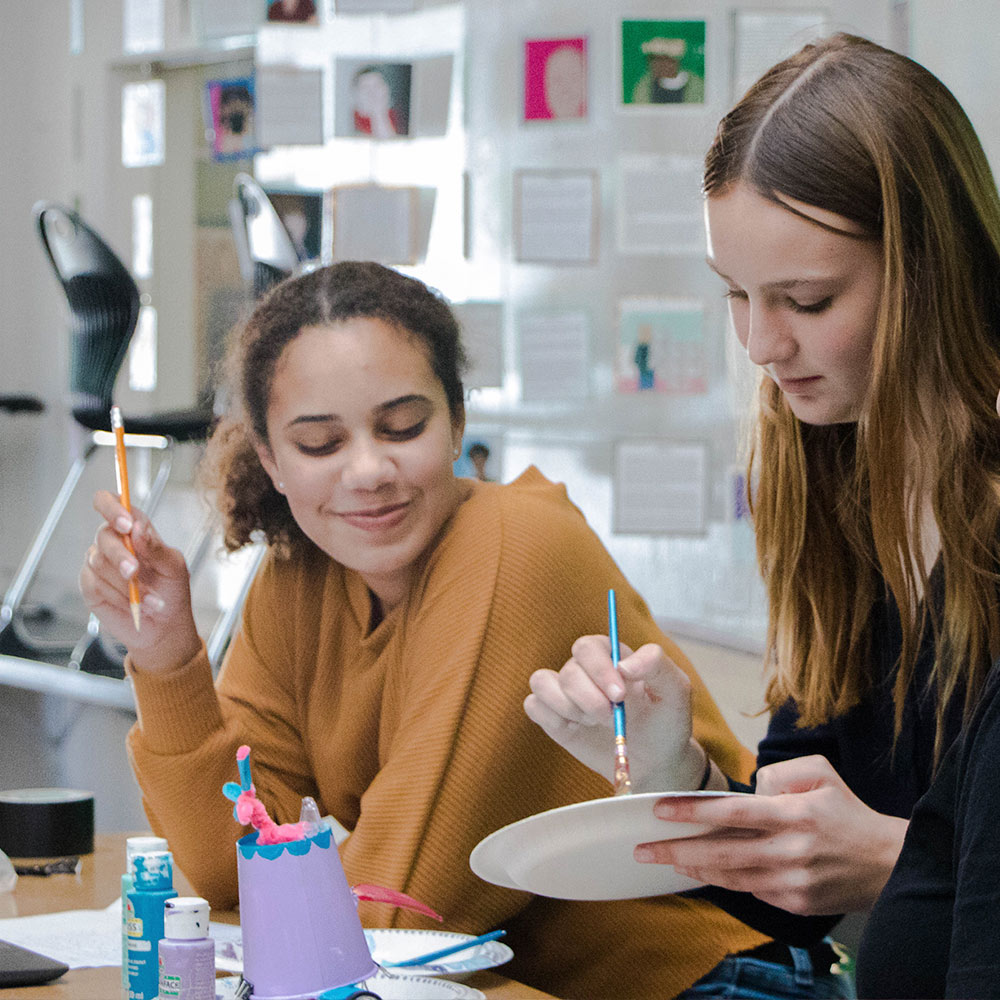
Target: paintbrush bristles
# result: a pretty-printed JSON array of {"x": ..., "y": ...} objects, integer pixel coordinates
[{"x": 623, "y": 782}]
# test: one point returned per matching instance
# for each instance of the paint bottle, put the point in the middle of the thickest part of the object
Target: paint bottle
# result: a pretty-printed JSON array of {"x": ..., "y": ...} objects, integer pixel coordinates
[
  {"x": 133, "y": 846},
  {"x": 152, "y": 885},
  {"x": 187, "y": 953}
]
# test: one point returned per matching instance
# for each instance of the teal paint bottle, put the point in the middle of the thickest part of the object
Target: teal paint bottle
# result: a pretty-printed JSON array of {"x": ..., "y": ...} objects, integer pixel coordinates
[
  {"x": 152, "y": 885},
  {"x": 133, "y": 846}
]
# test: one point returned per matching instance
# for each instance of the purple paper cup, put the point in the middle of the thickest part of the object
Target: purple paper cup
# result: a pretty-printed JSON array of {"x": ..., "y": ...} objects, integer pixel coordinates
[{"x": 301, "y": 932}]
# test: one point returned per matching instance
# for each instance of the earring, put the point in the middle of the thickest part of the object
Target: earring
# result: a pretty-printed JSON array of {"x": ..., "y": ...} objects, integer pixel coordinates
[
  {"x": 281, "y": 486},
  {"x": 457, "y": 452}
]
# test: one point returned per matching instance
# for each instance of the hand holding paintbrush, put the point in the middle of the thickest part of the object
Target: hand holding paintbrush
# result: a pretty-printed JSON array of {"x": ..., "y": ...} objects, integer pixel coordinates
[{"x": 586, "y": 701}]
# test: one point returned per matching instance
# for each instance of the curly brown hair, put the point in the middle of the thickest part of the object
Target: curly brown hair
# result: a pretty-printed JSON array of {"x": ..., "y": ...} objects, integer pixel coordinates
[{"x": 244, "y": 493}]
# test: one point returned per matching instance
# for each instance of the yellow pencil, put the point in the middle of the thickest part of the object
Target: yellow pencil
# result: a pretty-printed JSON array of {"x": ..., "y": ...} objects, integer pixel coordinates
[{"x": 121, "y": 473}]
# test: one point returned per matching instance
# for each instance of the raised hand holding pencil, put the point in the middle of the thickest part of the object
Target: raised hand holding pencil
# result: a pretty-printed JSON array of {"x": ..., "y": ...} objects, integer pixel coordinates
[{"x": 121, "y": 474}]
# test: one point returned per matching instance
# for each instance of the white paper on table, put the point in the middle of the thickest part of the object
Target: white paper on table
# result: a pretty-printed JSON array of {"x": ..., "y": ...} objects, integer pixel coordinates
[
  {"x": 80, "y": 938},
  {"x": 91, "y": 938}
]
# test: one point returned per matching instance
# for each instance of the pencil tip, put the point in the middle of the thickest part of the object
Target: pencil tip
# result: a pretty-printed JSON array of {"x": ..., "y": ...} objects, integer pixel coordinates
[{"x": 136, "y": 617}]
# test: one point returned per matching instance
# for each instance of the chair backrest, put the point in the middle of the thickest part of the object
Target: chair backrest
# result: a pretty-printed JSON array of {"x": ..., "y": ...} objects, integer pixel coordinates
[
  {"x": 264, "y": 248},
  {"x": 103, "y": 301}
]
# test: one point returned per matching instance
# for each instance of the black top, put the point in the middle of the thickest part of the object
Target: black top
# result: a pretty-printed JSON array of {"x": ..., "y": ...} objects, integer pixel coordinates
[
  {"x": 859, "y": 745},
  {"x": 934, "y": 930}
]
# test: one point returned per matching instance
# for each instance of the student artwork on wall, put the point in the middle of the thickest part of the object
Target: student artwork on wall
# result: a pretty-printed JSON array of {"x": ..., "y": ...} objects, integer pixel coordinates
[
  {"x": 231, "y": 116},
  {"x": 553, "y": 356},
  {"x": 226, "y": 18},
  {"x": 301, "y": 213},
  {"x": 371, "y": 222},
  {"x": 762, "y": 38},
  {"x": 292, "y": 12},
  {"x": 372, "y": 6},
  {"x": 662, "y": 63},
  {"x": 659, "y": 204},
  {"x": 481, "y": 458},
  {"x": 659, "y": 487},
  {"x": 142, "y": 25},
  {"x": 481, "y": 324},
  {"x": 289, "y": 106},
  {"x": 555, "y": 216},
  {"x": 372, "y": 98},
  {"x": 661, "y": 346},
  {"x": 142, "y": 123},
  {"x": 555, "y": 79}
]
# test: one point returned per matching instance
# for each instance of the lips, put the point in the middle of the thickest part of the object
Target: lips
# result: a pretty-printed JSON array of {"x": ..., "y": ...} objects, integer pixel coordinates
[
  {"x": 376, "y": 518},
  {"x": 798, "y": 386}
]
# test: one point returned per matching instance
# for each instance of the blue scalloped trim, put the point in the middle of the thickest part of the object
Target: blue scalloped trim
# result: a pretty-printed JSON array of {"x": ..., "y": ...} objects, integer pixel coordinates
[{"x": 248, "y": 845}]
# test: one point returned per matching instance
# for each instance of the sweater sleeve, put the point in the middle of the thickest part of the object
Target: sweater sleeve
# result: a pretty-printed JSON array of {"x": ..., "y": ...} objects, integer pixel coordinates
[
  {"x": 183, "y": 746},
  {"x": 504, "y": 596}
]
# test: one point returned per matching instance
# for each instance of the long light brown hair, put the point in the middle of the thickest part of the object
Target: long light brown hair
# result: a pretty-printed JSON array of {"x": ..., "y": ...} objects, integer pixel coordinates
[{"x": 853, "y": 128}]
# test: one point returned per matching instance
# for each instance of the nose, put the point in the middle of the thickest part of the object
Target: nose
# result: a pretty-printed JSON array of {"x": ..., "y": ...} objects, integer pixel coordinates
[
  {"x": 766, "y": 336},
  {"x": 366, "y": 465}
]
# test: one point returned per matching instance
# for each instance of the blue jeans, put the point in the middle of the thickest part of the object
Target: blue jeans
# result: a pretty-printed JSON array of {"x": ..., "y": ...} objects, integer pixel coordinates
[{"x": 743, "y": 977}]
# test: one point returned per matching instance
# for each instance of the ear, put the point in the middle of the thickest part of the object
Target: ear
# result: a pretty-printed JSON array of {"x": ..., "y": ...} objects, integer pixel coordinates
[{"x": 270, "y": 467}]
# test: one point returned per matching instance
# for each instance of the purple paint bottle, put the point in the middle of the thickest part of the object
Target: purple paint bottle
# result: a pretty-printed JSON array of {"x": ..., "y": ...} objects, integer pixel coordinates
[{"x": 187, "y": 953}]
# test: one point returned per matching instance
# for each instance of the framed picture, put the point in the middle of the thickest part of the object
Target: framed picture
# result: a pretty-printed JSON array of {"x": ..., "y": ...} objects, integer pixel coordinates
[
  {"x": 292, "y": 12},
  {"x": 231, "y": 115},
  {"x": 659, "y": 487},
  {"x": 481, "y": 457},
  {"x": 761, "y": 38},
  {"x": 555, "y": 216},
  {"x": 372, "y": 98},
  {"x": 372, "y": 222},
  {"x": 661, "y": 346},
  {"x": 142, "y": 123},
  {"x": 301, "y": 213},
  {"x": 662, "y": 63},
  {"x": 555, "y": 79}
]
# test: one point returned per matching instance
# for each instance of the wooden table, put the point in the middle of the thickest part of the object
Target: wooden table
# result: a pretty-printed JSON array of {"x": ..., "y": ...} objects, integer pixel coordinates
[{"x": 97, "y": 884}]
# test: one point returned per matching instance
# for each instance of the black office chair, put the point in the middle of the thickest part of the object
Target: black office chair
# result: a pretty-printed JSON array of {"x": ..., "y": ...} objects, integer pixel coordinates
[
  {"x": 264, "y": 249},
  {"x": 104, "y": 308}
]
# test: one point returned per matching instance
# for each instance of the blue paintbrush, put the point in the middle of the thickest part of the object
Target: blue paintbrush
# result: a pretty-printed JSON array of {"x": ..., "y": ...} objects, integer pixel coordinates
[{"x": 623, "y": 783}]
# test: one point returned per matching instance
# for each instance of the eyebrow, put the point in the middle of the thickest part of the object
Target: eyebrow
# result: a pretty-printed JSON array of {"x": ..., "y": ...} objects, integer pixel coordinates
[
  {"x": 382, "y": 408},
  {"x": 781, "y": 285}
]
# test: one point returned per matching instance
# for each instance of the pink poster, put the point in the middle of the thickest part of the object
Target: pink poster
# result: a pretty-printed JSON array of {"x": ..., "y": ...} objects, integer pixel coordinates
[{"x": 555, "y": 78}]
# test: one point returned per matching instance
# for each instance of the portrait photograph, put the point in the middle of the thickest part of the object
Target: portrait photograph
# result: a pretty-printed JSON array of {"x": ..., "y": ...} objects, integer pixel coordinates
[
  {"x": 301, "y": 213},
  {"x": 231, "y": 117},
  {"x": 555, "y": 79},
  {"x": 292, "y": 12},
  {"x": 662, "y": 63},
  {"x": 372, "y": 98}
]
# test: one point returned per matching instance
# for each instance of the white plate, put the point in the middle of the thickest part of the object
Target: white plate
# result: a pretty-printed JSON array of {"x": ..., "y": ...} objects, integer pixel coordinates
[
  {"x": 399, "y": 944},
  {"x": 407, "y": 987},
  {"x": 584, "y": 851}
]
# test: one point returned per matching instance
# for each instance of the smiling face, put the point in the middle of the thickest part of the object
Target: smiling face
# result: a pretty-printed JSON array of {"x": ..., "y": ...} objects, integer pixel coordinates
[
  {"x": 361, "y": 443},
  {"x": 804, "y": 300}
]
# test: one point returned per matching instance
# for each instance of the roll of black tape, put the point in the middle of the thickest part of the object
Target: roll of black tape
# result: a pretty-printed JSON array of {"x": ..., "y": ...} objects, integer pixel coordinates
[{"x": 46, "y": 822}]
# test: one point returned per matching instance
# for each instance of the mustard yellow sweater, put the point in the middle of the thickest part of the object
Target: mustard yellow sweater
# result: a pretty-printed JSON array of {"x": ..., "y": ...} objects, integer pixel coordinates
[{"x": 412, "y": 734}]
